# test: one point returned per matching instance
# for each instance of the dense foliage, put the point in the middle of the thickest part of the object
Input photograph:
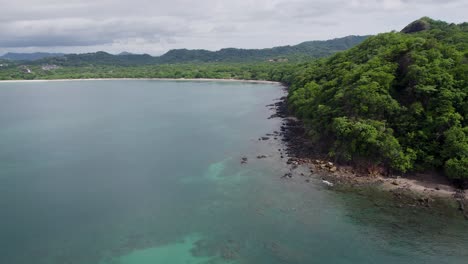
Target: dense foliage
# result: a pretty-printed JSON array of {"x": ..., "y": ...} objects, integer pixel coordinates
[
  {"x": 398, "y": 100},
  {"x": 250, "y": 71},
  {"x": 305, "y": 50}
]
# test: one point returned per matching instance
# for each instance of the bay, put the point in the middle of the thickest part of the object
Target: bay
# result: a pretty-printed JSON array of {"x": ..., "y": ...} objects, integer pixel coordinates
[{"x": 146, "y": 171}]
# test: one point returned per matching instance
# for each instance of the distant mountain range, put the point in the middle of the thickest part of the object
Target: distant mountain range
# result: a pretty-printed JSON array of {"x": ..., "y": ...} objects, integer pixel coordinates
[
  {"x": 305, "y": 50},
  {"x": 29, "y": 56},
  {"x": 123, "y": 53}
]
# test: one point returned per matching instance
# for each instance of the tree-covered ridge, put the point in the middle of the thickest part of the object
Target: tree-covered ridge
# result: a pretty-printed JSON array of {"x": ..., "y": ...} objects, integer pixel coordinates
[
  {"x": 305, "y": 50},
  {"x": 398, "y": 100},
  {"x": 309, "y": 49}
]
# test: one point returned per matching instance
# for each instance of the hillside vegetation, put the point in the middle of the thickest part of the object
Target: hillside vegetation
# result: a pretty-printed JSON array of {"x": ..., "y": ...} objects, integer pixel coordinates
[
  {"x": 398, "y": 101},
  {"x": 225, "y": 63},
  {"x": 305, "y": 50},
  {"x": 309, "y": 49}
]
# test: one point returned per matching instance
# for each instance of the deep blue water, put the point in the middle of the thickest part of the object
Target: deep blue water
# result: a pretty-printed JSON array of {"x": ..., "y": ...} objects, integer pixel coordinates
[{"x": 140, "y": 172}]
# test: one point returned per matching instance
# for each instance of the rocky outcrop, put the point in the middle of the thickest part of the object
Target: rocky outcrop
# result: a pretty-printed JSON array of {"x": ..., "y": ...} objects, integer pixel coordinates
[{"x": 417, "y": 26}]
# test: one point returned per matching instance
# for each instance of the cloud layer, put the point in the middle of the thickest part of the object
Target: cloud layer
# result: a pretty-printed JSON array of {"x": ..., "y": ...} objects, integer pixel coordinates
[{"x": 153, "y": 26}]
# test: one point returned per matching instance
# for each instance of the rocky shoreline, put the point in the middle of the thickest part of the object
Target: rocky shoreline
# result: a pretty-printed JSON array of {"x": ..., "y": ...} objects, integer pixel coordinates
[{"x": 421, "y": 190}]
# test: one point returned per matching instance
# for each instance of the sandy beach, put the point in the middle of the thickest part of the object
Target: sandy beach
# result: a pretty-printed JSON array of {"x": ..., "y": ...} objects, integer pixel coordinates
[{"x": 143, "y": 79}]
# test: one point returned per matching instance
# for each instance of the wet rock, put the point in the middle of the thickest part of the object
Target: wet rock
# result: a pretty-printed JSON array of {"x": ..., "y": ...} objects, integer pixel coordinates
[
  {"x": 287, "y": 175},
  {"x": 293, "y": 161},
  {"x": 461, "y": 205},
  {"x": 265, "y": 138},
  {"x": 244, "y": 160},
  {"x": 261, "y": 156}
]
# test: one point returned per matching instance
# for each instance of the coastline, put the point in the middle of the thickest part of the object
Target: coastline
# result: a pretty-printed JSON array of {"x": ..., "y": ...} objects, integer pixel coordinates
[
  {"x": 144, "y": 79},
  {"x": 301, "y": 152},
  {"x": 416, "y": 189}
]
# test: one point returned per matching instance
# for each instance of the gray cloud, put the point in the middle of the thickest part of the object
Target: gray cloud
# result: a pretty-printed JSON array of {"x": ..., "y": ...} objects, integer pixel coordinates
[
  {"x": 86, "y": 32},
  {"x": 154, "y": 26}
]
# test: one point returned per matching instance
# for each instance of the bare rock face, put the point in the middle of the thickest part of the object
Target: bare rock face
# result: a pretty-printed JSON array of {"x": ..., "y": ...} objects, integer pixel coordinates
[{"x": 417, "y": 26}]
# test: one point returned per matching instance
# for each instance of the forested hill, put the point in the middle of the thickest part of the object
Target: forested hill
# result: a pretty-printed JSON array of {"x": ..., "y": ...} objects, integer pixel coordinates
[
  {"x": 305, "y": 50},
  {"x": 399, "y": 100},
  {"x": 309, "y": 49}
]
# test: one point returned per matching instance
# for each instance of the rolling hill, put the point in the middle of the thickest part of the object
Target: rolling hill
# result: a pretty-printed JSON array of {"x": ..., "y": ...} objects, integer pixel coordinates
[{"x": 305, "y": 50}]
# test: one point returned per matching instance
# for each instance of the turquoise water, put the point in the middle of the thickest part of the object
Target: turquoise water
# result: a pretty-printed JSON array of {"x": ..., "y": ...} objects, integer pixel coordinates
[{"x": 148, "y": 172}]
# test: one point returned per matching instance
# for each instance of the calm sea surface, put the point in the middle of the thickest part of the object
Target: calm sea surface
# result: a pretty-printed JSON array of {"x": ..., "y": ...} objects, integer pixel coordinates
[{"x": 148, "y": 172}]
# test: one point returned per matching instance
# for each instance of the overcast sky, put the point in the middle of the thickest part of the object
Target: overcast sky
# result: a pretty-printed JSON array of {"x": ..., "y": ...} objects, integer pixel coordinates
[{"x": 154, "y": 26}]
